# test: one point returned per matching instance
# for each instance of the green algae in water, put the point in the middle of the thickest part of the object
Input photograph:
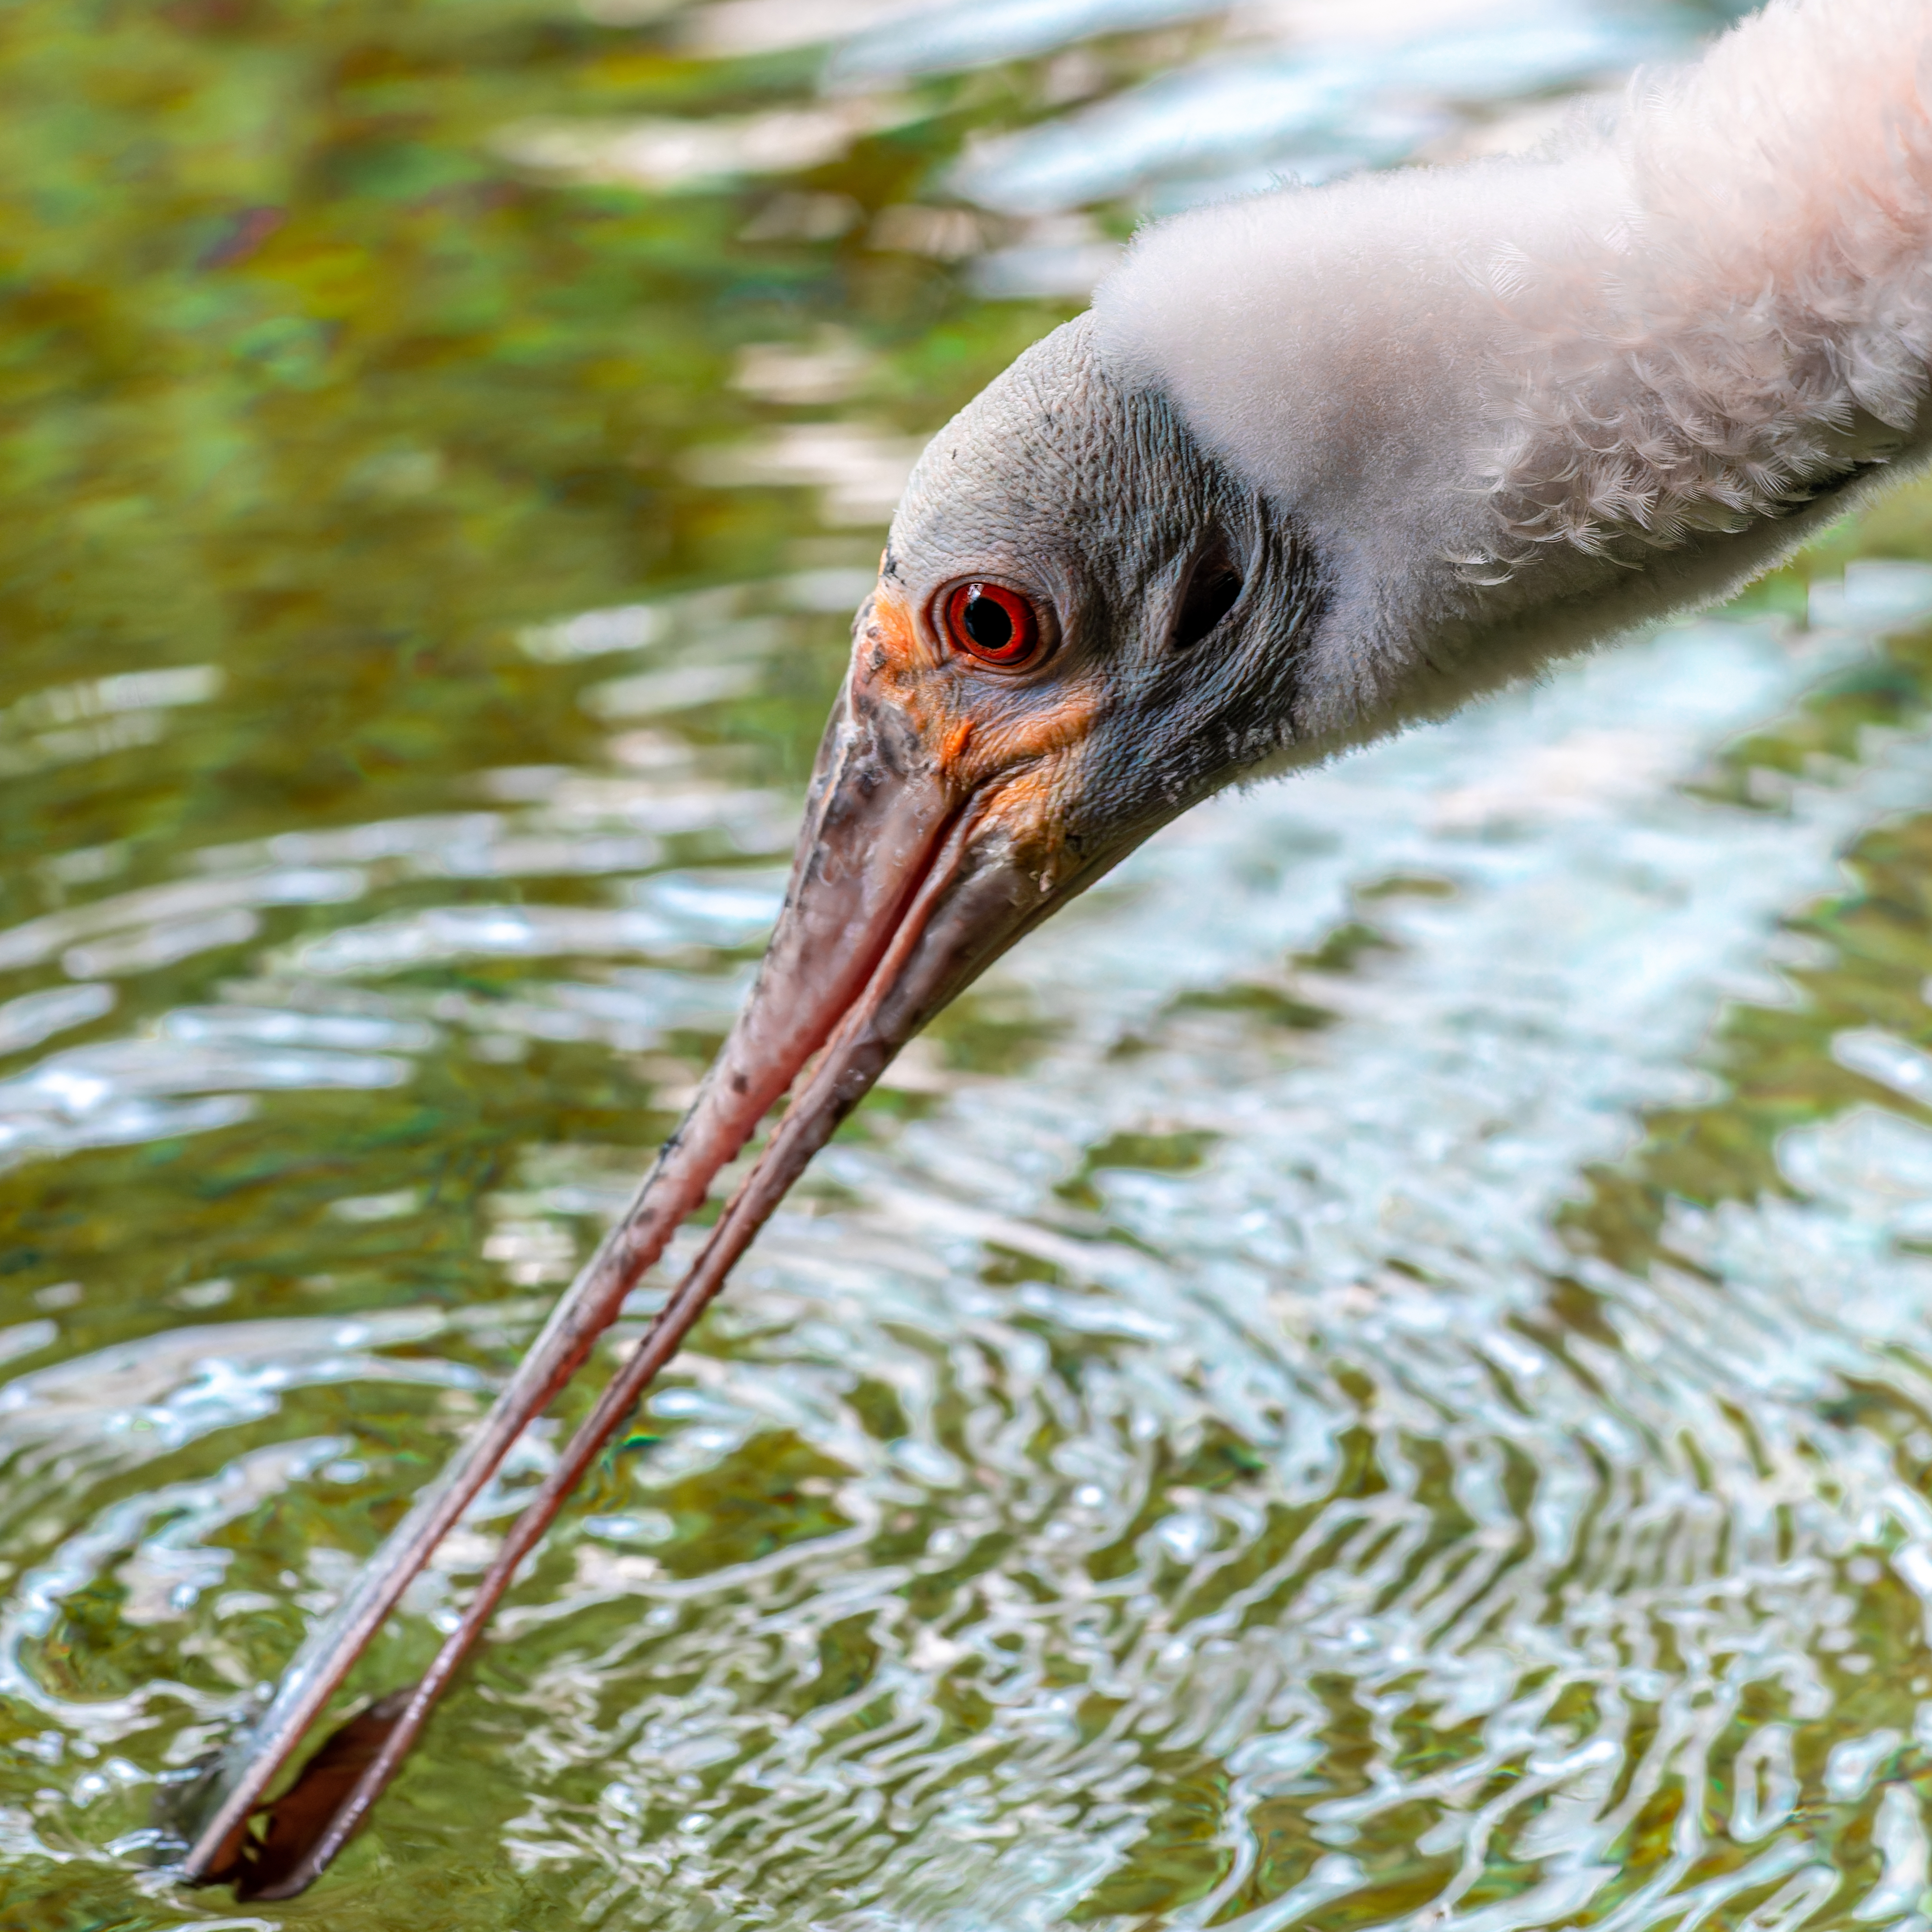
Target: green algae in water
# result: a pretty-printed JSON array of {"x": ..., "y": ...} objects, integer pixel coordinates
[{"x": 1463, "y": 1445}]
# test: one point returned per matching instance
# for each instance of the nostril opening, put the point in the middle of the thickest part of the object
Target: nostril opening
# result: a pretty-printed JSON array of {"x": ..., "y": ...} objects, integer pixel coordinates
[{"x": 1213, "y": 587}]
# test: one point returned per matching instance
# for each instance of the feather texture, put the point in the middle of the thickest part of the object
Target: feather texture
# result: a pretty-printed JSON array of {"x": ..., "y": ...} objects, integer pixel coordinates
[
  {"x": 1756, "y": 318},
  {"x": 1481, "y": 393}
]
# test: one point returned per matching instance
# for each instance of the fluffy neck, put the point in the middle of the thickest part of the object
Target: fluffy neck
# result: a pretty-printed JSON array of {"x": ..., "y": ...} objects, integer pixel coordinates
[{"x": 1482, "y": 394}]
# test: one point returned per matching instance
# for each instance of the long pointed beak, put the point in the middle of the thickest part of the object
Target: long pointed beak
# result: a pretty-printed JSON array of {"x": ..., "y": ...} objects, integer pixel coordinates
[{"x": 901, "y": 892}]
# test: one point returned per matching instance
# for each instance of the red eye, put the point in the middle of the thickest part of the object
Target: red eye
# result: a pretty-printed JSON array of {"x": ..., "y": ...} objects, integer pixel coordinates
[{"x": 988, "y": 622}]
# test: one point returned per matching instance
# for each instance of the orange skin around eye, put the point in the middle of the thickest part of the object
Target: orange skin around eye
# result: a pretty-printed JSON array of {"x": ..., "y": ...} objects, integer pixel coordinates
[{"x": 1015, "y": 745}]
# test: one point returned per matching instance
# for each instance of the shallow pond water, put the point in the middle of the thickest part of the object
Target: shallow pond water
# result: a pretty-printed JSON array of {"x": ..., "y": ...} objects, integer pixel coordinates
[{"x": 1378, "y": 1372}]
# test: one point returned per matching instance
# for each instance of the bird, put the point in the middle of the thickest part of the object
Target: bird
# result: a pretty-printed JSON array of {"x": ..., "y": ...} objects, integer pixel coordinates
[{"x": 1316, "y": 465}]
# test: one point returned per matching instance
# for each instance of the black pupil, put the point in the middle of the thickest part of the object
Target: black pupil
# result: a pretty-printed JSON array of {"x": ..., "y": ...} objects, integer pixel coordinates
[{"x": 987, "y": 625}]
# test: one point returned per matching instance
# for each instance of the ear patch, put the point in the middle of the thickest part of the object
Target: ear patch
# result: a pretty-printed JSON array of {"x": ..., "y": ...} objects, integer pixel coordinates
[{"x": 1213, "y": 588}]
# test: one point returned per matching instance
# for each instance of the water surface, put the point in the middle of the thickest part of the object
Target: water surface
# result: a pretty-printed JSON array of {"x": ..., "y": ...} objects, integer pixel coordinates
[{"x": 1378, "y": 1373}]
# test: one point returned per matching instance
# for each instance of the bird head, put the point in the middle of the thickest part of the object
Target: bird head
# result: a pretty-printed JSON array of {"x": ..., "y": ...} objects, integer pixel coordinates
[
  {"x": 1082, "y": 626},
  {"x": 1085, "y": 621}
]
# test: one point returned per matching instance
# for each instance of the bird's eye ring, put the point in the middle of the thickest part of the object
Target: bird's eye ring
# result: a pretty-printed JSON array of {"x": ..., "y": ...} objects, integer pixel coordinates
[{"x": 992, "y": 624}]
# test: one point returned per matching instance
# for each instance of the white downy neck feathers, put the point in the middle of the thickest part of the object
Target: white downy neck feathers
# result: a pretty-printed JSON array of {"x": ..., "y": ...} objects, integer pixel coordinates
[{"x": 1483, "y": 392}]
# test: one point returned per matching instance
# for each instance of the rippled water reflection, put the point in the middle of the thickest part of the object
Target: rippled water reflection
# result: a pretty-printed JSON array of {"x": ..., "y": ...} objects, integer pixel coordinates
[{"x": 1379, "y": 1372}]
